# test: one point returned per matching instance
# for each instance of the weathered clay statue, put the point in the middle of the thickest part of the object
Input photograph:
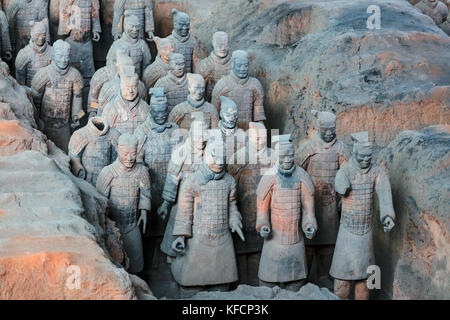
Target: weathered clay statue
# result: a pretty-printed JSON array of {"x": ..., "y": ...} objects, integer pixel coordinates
[
  {"x": 183, "y": 41},
  {"x": 127, "y": 186},
  {"x": 142, "y": 9},
  {"x": 252, "y": 162},
  {"x": 322, "y": 156},
  {"x": 58, "y": 89},
  {"x": 435, "y": 9},
  {"x": 217, "y": 64},
  {"x": 36, "y": 55},
  {"x": 20, "y": 13},
  {"x": 246, "y": 91},
  {"x": 206, "y": 212},
  {"x": 184, "y": 161},
  {"x": 127, "y": 110},
  {"x": 130, "y": 42},
  {"x": 195, "y": 107},
  {"x": 111, "y": 88},
  {"x": 175, "y": 83},
  {"x": 285, "y": 200},
  {"x": 92, "y": 148},
  {"x": 157, "y": 137},
  {"x": 358, "y": 181},
  {"x": 160, "y": 67},
  {"x": 6, "y": 48}
]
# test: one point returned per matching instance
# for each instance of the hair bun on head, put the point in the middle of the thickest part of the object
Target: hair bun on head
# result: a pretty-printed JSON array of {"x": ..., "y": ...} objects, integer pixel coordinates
[{"x": 174, "y": 11}]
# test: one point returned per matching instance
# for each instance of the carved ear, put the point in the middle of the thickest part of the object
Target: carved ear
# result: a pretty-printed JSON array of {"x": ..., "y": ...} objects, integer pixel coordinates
[{"x": 315, "y": 113}]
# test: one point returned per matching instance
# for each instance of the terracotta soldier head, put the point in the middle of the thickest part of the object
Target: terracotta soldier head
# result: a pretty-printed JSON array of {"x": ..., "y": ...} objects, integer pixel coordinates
[
  {"x": 220, "y": 44},
  {"x": 132, "y": 25},
  {"x": 177, "y": 64},
  {"x": 164, "y": 46},
  {"x": 38, "y": 33},
  {"x": 196, "y": 86},
  {"x": 61, "y": 54},
  {"x": 127, "y": 149},
  {"x": 257, "y": 135},
  {"x": 228, "y": 112},
  {"x": 239, "y": 62},
  {"x": 158, "y": 105},
  {"x": 129, "y": 82},
  {"x": 181, "y": 22},
  {"x": 362, "y": 149},
  {"x": 214, "y": 155},
  {"x": 285, "y": 152},
  {"x": 326, "y": 124}
]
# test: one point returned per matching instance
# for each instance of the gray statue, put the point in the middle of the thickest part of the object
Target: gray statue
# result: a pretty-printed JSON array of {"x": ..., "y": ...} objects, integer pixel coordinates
[
  {"x": 217, "y": 64},
  {"x": 6, "y": 48},
  {"x": 183, "y": 41},
  {"x": 160, "y": 67},
  {"x": 435, "y": 9},
  {"x": 246, "y": 91},
  {"x": 142, "y": 9},
  {"x": 358, "y": 181}
]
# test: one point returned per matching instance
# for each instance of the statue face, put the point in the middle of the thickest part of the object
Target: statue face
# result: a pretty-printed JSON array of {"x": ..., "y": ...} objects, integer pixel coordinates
[
  {"x": 159, "y": 113},
  {"x": 364, "y": 157},
  {"x": 182, "y": 26},
  {"x": 229, "y": 117},
  {"x": 127, "y": 155},
  {"x": 258, "y": 138},
  {"x": 39, "y": 39},
  {"x": 196, "y": 90},
  {"x": 129, "y": 88},
  {"x": 221, "y": 46},
  {"x": 327, "y": 134},
  {"x": 286, "y": 158},
  {"x": 215, "y": 161},
  {"x": 240, "y": 67},
  {"x": 62, "y": 58},
  {"x": 177, "y": 66},
  {"x": 132, "y": 30}
]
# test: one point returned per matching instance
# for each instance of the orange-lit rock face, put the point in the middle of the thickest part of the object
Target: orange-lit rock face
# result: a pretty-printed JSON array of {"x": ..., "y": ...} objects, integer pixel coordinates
[{"x": 16, "y": 137}]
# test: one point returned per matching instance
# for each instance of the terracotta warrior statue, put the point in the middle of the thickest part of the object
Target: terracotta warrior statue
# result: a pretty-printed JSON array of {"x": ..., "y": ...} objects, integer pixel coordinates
[
  {"x": 126, "y": 184},
  {"x": 184, "y": 160},
  {"x": 252, "y": 162},
  {"x": 20, "y": 13},
  {"x": 36, "y": 55},
  {"x": 142, "y": 9},
  {"x": 92, "y": 148},
  {"x": 285, "y": 201},
  {"x": 435, "y": 9},
  {"x": 246, "y": 91},
  {"x": 160, "y": 67},
  {"x": 207, "y": 212},
  {"x": 217, "y": 64},
  {"x": 57, "y": 89},
  {"x": 195, "y": 107},
  {"x": 175, "y": 83},
  {"x": 130, "y": 42},
  {"x": 111, "y": 88},
  {"x": 157, "y": 137},
  {"x": 358, "y": 181},
  {"x": 6, "y": 48},
  {"x": 183, "y": 41},
  {"x": 322, "y": 156},
  {"x": 127, "y": 110}
]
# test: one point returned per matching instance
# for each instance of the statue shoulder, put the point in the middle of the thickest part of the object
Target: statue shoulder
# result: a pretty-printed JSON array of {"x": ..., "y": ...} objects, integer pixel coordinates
[
  {"x": 23, "y": 57},
  {"x": 78, "y": 140}
]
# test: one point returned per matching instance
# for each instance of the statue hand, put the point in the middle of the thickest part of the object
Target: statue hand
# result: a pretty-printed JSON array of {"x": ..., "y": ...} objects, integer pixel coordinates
[
  {"x": 8, "y": 55},
  {"x": 116, "y": 36},
  {"x": 92, "y": 114},
  {"x": 265, "y": 231},
  {"x": 163, "y": 210},
  {"x": 143, "y": 219},
  {"x": 150, "y": 36},
  {"x": 178, "y": 244},
  {"x": 310, "y": 232},
  {"x": 236, "y": 226},
  {"x": 75, "y": 122},
  {"x": 96, "y": 36},
  {"x": 388, "y": 224}
]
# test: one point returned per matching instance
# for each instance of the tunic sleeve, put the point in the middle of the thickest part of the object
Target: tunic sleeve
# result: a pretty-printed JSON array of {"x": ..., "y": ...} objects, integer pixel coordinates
[
  {"x": 196, "y": 54},
  {"x": 96, "y": 16},
  {"x": 219, "y": 90},
  {"x": 173, "y": 175},
  {"x": 258, "y": 102},
  {"x": 185, "y": 214},
  {"x": 147, "y": 56},
  {"x": 264, "y": 195},
  {"x": 341, "y": 182},
  {"x": 6, "y": 42},
  {"x": 77, "y": 143},
  {"x": 235, "y": 215},
  {"x": 176, "y": 116},
  {"x": 148, "y": 12},
  {"x": 307, "y": 198},
  {"x": 144, "y": 190},
  {"x": 383, "y": 190},
  {"x": 117, "y": 24},
  {"x": 104, "y": 180}
]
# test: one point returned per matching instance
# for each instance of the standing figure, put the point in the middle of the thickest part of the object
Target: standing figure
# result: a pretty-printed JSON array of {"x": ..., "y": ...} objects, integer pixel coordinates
[
  {"x": 435, "y": 9},
  {"x": 246, "y": 91},
  {"x": 357, "y": 181},
  {"x": 36, "y": 55},
  {"x": 57, "y": 89},
  {"x": 6, "y": 48},
  {"x": 111, "y": 88},
  {"x": 142, "y": 9},
  {"x": 20, "y": 13},
  {"x": 175, "y": 83},
  {"x": 183, "y": 162},
  {"x": 160, "y": 67},
  {"x": 92, "y": 148},
  {"x": 80, "y": 21},
  {"x": 285, "y": 199},
  {"x": 195, "y": 107},
  {"x": 130, "y": 42},
  {"x": 126, "y": 184},
  {"x": 183, "y": 41},
  {"x": 206, "y": 212},
  {"x": 217, "y": 64},
  {"x": 252, "y": 162},
  {"x": 126, "y": 111},
  {"x": 322, "y": 156}
]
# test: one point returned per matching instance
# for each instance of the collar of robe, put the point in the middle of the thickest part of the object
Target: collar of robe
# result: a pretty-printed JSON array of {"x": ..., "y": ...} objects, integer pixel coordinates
[
  {"x": 159, "y": 128},
  {"x": 180, "y": 38},
  {"x": 60, "y": 71},
  {"x": 237, "y": 79},
  {"x": 220, "y": 60},
  {"x": 36, "y": 48},
  {"x": 322, "y": 144},
  {"x": 226, "y": 131},
  {"x": 207, "y": 174},
  {"x": 128, "y": 39},
  {"x": 355, "y": 164},
  {"x": 286, "y": 173},
  {"x": 175, "y": 79},
  {"x": 195, "y": 104}
]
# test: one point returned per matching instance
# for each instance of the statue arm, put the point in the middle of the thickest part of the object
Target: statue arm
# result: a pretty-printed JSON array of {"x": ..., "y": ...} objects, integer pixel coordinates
[
  {"x": 104, "y": 180},
  {"x": 258, "y": 102},
  {"x": 43, "y": 16},
  {"x": 117, "y": 23},
  {"x": 307, "y": 200},
  {"x": 77, "y": 103},
  {"x": 176, "y": 116},
  {"x": 6, "y": 42},
  {"x": 147, "y": 56},
  {"x": 219, "y": 90},
  {"x": 264, "y": 195},
  {"x": 21, "y": 66},
  {"x": 344, "y": 155},
  {"x": 235, "y": 215},
  {"x": 148, "y": 13},
  {"x": 38, "y": 84},
  {"x": 341, "y": 183},
  {"x": 145, "y": 198},
  {"x": 196, "y": 55},
  {"x": 96, "y": 16},
  {"x": 173, "y": 176},
  {"x": 384, "y": 193},
  {"x": 215, "y": 118},
  {"x": 11, "y": 12},
  {"x": 185, "y": 214}
]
